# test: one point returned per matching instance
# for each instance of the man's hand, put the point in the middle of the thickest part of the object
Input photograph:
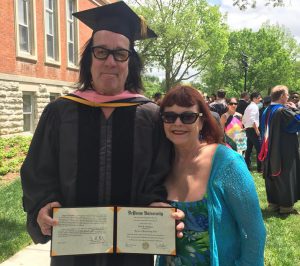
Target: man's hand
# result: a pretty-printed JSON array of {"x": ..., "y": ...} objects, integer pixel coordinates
[
  {"x": 291, "y": 105},
  {"x": 44, "y": 218},
  {"x": 178, "y": 216}
]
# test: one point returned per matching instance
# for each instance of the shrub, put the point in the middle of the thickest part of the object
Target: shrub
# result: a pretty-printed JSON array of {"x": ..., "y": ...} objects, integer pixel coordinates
[
  {"x": 12, "y": 153},
  {"x": 4, "y": 170}
]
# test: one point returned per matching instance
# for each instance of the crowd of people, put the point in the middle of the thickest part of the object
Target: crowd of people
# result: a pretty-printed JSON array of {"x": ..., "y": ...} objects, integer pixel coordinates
[
  {"x": 106, "y": 144},
  {"x": 271, "y": 125}
]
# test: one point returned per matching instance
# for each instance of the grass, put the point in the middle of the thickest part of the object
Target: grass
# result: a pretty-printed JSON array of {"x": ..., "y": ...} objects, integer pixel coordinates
[
  {"x": 283, "y": 233},
  {"x": 13, "y": 235}
]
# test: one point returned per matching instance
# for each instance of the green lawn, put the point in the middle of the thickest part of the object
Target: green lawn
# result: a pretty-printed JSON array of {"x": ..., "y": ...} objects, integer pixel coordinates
[
  {"x": 13, "y": 235},
  {"x": 283, "y": 233}
]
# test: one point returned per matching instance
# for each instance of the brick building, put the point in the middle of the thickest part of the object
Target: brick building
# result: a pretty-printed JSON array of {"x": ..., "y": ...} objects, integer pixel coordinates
[{"x": 39, "y": 51}]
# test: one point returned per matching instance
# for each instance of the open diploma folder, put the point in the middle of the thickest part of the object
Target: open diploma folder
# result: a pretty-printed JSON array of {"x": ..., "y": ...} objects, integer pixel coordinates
[{"x": 95, "y": 230}]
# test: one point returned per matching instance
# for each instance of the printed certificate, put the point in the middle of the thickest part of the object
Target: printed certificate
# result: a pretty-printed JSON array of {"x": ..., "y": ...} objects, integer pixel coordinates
[
  {"x": 146, "y": 230},
  {"x": 96, "y": 230},
  {"x": 82, "y": 231}
]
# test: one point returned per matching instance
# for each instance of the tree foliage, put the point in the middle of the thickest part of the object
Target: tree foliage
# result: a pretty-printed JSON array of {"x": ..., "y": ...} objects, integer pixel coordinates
[
  {"x": 192, "y": 36},
  {"x": 152, "y": 85},
  {"x": 244, "y": 4},
  {"x": 272, "y": 59}
]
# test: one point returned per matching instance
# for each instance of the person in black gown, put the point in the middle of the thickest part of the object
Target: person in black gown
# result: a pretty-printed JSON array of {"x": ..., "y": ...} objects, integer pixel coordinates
[{"x": 102, "y": 145}]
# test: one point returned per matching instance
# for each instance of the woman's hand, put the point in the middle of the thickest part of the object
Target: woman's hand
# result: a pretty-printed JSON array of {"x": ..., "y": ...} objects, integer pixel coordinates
[
  {"x": 178, "y": 216},
  {"x": 44, "y": 218}
]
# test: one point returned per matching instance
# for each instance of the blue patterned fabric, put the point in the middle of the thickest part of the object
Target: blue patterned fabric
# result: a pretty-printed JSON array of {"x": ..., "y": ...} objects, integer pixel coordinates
[
  {"x": 292, "y": 127},
  {"x": 193, "y": 248},
  {"x": 236, "y": 230},
  {"x": 265, "y": 121}
]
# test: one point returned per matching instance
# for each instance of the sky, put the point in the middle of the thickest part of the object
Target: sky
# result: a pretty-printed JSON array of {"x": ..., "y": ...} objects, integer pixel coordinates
[{"x": 287, "y": 16}]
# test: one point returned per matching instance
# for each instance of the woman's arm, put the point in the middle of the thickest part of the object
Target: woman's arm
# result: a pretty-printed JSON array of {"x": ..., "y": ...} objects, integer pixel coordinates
[{"x": 242, "y": 200}]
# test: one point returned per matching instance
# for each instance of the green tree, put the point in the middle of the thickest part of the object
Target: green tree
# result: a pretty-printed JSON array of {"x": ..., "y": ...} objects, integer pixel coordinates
[
  {"x": 272, "y": 56},
  {"x": 192, "y": 36},
  {"x": 244, "y": 4},
  {"x": 152, "y": 85},
  {"x": 231, "y": 76},
  {"x": 296, "y": 85}
]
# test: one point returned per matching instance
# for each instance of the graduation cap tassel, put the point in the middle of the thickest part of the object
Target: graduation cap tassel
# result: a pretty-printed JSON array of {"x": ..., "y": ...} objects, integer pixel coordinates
[{"x": 143, "y": 27}]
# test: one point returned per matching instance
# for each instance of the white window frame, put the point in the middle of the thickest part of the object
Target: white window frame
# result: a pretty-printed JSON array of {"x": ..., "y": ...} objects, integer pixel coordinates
[
  {"x": 31, "y": 112},
  {"x": 74, "y": 22},
  {"x": 55, "y": 32},
  {"x": 31, "y": 54}
]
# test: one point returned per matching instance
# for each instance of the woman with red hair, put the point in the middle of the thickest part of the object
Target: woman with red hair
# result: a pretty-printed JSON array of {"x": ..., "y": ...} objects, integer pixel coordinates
[{"x": 212, "y": 185}]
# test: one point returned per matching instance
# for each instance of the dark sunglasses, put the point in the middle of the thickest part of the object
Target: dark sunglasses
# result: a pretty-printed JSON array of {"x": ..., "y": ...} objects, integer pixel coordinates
[
  {"x": 232, "y": 104},
  {"x": 102, "y": 53},
  {"x": 185, "y": 118},
  {"x": 295, "y": 97}
]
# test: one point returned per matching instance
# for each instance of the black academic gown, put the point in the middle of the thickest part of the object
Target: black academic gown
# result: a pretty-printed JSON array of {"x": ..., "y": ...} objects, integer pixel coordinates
[
  {"x": 79, "y": 158},
  {"x": 282, "y": 165}
]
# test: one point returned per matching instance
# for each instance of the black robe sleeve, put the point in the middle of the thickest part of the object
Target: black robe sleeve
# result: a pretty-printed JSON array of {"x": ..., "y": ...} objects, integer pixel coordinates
[
  {"x": 153, "y": 187},
  {"x": 39, "y": 172},
  {"x": 291, "y": 120}
]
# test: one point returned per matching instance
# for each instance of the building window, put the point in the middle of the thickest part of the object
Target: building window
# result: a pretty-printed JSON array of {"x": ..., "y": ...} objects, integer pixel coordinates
[
  {"x": 25, "y": 28},
  {"x": 28, "y": 112},
  {"x": 51, "y": 30},
  {"x": 54, "y": 96},
  {"x": 72, "y": 40}
]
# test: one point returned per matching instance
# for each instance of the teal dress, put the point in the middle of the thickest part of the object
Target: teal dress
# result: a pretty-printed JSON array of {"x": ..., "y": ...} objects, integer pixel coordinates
[{"x": 193, "y": 248}]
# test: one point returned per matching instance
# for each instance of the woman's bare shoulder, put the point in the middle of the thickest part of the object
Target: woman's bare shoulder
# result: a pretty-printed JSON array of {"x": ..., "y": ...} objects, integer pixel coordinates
[{"x": 209, "y": 149}]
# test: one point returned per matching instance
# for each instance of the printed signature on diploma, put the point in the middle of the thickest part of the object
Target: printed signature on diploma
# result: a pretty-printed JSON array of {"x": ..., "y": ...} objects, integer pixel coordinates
[
  {"x": 161, "y": 245},
  {"x": 96, "y": 239}
]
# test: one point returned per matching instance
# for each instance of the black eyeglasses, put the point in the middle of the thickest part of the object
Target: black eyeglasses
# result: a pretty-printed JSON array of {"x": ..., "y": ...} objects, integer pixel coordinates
[
  {"x": 185, "y": 118},
  {"x": 120, "y": 55},
  {"x": 232, "y": 104}
]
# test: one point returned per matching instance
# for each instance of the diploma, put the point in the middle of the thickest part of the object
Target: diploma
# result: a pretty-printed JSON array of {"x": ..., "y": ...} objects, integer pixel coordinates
[
  {"x": 146, "y": 231},
  {"x": 82, "y": 231},
  {"x": 96, "y": 230}
]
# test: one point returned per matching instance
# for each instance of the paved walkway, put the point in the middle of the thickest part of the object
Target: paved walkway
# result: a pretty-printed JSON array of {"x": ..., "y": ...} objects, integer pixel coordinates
[{"x": 33, "y": 255}]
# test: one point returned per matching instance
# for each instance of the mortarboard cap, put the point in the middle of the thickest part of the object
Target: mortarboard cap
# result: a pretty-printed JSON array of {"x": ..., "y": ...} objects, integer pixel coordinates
[{"x": 116, "y": 17}]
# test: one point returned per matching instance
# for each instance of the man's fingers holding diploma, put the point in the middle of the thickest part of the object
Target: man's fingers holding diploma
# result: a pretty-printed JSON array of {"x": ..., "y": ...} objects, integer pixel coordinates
[{"x": 44, "y": 218}]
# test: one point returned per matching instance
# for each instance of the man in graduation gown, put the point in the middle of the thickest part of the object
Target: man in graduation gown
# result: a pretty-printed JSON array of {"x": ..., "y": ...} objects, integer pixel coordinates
[
  {"x": 103, "y": 145},
  {"x": 279, "y": 152}
]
